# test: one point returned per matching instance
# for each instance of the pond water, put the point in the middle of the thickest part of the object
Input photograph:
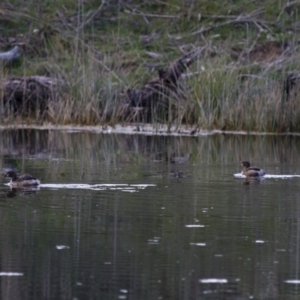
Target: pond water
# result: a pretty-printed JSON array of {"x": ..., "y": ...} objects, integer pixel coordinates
[{"x": 149, "y": 217}]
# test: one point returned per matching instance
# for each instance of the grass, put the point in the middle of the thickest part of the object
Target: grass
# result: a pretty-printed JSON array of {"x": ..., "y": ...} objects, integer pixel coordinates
[{"x": 101, "y": 49}]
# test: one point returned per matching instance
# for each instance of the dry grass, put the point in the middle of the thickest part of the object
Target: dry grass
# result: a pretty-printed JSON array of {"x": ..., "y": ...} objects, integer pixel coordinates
[{"x": 99, "y": 51}]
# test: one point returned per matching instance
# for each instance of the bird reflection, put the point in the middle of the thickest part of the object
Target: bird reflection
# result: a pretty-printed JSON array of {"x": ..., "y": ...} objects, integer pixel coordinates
[
  {"x": 179, "y": 174},
  {"x": 13, "y": 192},
  {"x": 176, "y": 174},
  {"x": 252, "y": 180}
]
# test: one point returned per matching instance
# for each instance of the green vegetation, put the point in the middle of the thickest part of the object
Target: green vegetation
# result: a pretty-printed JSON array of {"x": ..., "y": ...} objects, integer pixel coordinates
[{"x": 101, "y": 49}]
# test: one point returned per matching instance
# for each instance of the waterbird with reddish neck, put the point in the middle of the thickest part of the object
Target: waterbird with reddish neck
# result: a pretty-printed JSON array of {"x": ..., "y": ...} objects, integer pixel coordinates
[{"x": 251, "y": 171}]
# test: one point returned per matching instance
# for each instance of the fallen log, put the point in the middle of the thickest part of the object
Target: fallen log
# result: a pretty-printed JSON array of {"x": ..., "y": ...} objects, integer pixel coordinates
[
  {"x": 292, "y": 86},
  {"x": 11, "y": 55},
  {"x": 27, "y": 94},
  {"x": 154, "y": 96}
]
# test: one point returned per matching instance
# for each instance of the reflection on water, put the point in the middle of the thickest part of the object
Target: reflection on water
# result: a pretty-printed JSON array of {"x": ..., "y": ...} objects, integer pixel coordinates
[
  {"x": 26, "y": 190},
  {"x": 280, "y": 176},
  {"x": 141, "y": 217}
]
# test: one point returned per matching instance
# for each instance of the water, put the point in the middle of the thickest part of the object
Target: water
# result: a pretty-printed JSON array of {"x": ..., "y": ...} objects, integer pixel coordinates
[{"x": 141, "y": 217}]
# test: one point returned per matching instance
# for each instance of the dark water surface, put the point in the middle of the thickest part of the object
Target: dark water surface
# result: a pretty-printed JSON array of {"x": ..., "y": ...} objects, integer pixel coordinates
[{"x": 141, "y": 217}]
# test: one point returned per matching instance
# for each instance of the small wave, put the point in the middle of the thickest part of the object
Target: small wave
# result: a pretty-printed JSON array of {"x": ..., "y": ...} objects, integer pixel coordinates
[
  {"x": 198, "y": 244},
  {"x": 61, "y": 247},
  {"x": 240, "y": 175},
  {"x": 97, "y": 187},
  {"x": 214, "y": 280},
  {"x": 293, "y": 281},
  {"x": 11, "y": 274}
]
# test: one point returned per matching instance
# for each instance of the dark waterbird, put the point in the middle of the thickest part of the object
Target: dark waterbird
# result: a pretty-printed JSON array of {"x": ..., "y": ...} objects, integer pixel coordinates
[
  {"x": 22, "y": 180},
  {"x": 251, "y": 171}
]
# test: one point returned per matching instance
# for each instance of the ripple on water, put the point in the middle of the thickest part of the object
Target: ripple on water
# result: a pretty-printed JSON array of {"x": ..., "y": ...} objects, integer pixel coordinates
[
  {"x": 240, "y": 175},
  {"x": 198, "y": 244},
  {"x": 11, "y": 274},
  {"x": 213, "y": 280},
  {"x": 61, "y": 247},
  {"x": 293, "y": 281},
  {"x": 98, "y": 187}
]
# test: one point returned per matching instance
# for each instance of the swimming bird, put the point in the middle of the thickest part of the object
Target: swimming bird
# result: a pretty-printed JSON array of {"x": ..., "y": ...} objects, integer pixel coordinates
[
  {"x": 251, "y": 171},
  {"x": 22, "y": 180}
]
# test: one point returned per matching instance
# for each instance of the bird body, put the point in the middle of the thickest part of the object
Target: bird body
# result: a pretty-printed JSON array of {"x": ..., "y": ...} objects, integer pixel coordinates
[
  {"x": 251, "y": 171},
  {"x": 22, "y": 180}
]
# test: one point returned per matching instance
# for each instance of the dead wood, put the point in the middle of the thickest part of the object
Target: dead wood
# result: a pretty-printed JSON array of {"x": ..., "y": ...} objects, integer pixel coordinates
[
  {"x": 155, "y": 95},
  {"x": 27, "y": 94},
  {"x": 11, "y": 55},
  {"x": 267, "y": 52},
  {"x": 292, "y": 86},
  {"x": 253, "y": 17}
]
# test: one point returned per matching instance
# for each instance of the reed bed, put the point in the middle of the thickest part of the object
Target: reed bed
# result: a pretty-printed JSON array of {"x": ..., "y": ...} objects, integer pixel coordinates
[{"x": 100, "y": 51}]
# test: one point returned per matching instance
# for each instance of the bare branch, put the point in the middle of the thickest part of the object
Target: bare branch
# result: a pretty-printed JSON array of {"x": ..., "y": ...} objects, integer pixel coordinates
[
  {"x": 138, "y": 13},
  {"x": 248, "y": 18},
  {"x": 10, "y": 55},
  {"x": 92, "y": 16}
]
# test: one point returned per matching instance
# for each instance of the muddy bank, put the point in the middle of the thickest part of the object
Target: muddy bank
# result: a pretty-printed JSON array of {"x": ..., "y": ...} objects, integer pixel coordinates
[{"x": 141, "y": 129}]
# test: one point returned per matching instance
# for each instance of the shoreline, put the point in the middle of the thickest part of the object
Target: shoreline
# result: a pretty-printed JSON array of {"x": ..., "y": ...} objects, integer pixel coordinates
[{"x": 142, "y": 129}]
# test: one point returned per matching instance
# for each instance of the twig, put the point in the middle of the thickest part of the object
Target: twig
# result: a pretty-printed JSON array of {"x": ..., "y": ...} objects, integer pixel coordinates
[
  {"x": 278, "y": 61},
  {"x": 92, "y": 16},
  {"x": 238, "y": 19},
  {"x": 289, "y": 4},
  {"x": 138, "y": 13}
]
